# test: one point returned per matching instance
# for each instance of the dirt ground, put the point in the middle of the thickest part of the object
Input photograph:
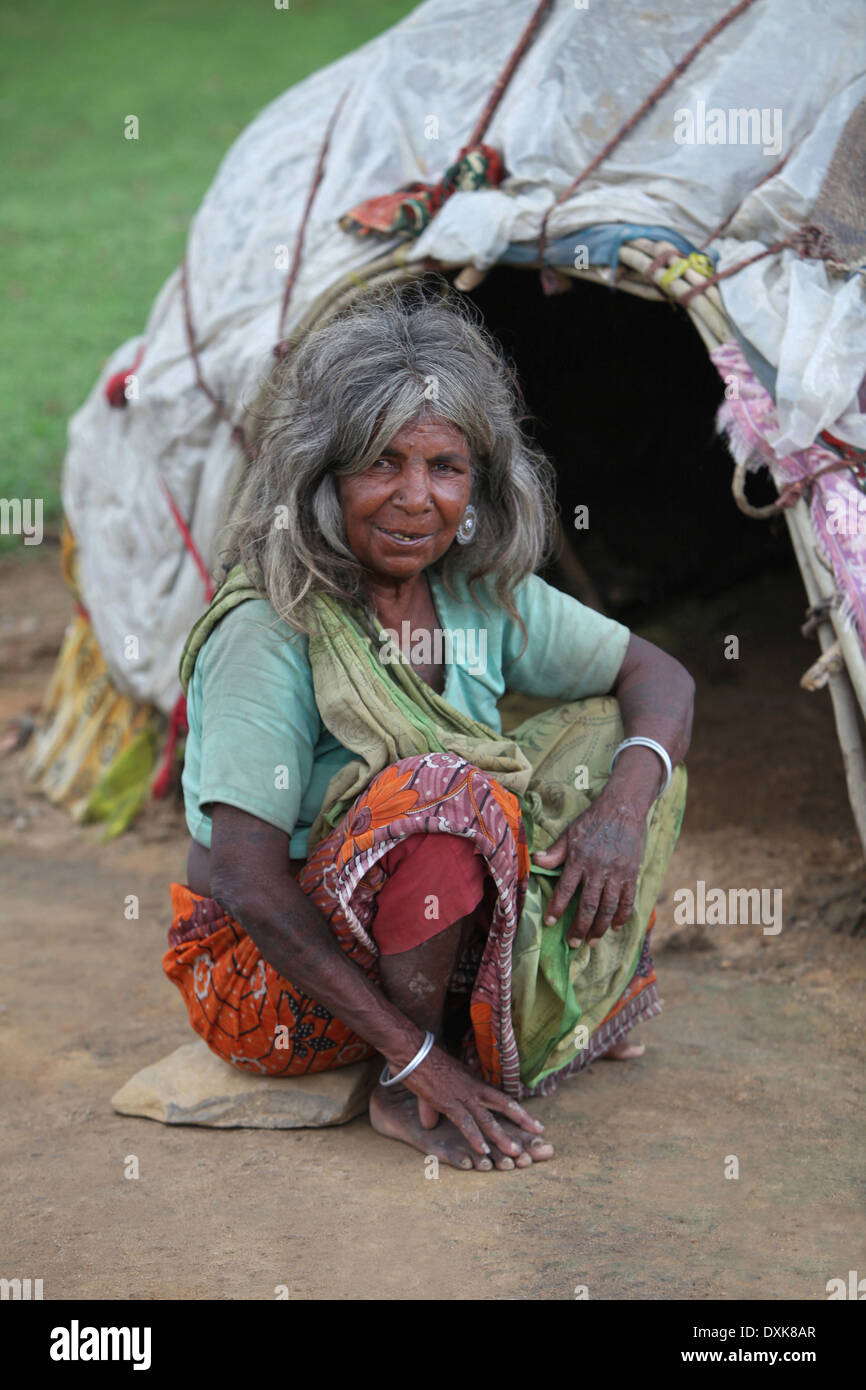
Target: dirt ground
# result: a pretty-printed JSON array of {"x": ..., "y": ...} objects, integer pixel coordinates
[{"x": 759, "y": 1054}]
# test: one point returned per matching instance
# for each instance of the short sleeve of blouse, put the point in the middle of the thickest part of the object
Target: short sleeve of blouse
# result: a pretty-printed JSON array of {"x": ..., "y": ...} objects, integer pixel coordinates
[
  {"x": 572, "y": 653},
  {"x": 259, "y": 720}
]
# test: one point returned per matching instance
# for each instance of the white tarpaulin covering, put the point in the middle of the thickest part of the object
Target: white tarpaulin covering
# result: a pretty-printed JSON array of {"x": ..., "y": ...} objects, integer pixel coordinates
[{"x": 585, "y": 74}]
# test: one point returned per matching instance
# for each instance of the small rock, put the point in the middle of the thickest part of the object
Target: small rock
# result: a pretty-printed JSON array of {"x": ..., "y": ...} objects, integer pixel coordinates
[
  {"x": 192, "y": 1086},
  {"x": 694, "y": 938}
]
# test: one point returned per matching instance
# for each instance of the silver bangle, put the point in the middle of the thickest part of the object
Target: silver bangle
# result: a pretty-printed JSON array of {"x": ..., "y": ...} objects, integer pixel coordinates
[
  {"x": 425, "y": 1047},
  {"x": 656, "y": 747}
]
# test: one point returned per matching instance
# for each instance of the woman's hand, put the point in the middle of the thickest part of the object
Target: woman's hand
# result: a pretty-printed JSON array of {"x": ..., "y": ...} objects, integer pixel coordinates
[
  {"x": 445, "y": 1087},
  {"x": 601, "y": 850},
  {"x": 600, "y": 853}
]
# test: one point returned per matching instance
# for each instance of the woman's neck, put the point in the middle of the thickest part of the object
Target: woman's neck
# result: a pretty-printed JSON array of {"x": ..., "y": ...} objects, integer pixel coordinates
[{"x": 396, "y": 600}]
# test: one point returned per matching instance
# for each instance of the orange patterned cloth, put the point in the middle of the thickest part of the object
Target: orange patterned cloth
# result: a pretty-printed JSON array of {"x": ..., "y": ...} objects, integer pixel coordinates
[
  {"x": 247, "y": 1013},
  {"x": 259, "y": 1021}
]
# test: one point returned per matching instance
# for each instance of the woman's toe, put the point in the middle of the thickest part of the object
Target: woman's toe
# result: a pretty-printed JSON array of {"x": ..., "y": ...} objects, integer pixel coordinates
[
  {"x": 626, "y": 1051},
  {"x": 534, "y": 1149},
  {"x": 540, "y": 1149},
  {"x": 450, "y": 1149}
]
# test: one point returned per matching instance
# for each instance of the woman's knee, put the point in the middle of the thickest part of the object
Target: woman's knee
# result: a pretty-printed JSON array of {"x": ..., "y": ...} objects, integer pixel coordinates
[{"x": 434, "y": 880}]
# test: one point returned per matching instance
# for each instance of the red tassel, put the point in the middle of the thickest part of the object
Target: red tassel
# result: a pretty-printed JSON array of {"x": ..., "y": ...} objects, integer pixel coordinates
[
  {"x": 177, "y": 726},
  {"x": 115, "y": 387},
  {"x": 856, "y": 457}
]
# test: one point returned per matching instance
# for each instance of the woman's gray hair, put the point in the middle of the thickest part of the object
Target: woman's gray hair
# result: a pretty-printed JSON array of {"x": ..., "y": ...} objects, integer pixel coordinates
[{"x": 338, "y": 400}]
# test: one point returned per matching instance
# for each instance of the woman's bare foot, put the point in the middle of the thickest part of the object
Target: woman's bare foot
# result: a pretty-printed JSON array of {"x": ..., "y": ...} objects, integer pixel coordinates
[
  {"x": 626, "y": 1051},
  {"x": 535, "y": 1149},
  {"x": 394, "y": 1113}
]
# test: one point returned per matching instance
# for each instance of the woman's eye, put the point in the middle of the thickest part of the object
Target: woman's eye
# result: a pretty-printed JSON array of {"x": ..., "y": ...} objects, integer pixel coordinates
[{"x": 438, "y": 467}]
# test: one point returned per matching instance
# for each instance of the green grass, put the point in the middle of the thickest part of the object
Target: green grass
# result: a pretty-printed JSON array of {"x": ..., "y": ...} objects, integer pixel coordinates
[{"x": 91, "y": 224}]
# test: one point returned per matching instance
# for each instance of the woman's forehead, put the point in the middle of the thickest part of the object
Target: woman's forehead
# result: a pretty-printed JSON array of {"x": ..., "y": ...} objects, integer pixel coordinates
[{"x": 430, "y": 435}]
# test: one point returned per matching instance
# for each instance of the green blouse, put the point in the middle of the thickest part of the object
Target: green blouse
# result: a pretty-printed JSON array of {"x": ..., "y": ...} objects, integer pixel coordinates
[{"x": 256, "y": 739}]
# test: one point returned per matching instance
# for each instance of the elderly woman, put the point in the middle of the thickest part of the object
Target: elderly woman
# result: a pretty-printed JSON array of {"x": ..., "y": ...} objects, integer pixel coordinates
[{"x": 374, "y": 867}]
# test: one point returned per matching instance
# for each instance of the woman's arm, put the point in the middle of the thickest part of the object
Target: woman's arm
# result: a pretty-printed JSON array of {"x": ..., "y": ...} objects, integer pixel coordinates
[
  {"x": 250, "y": 877},
  {"x": 602, "y": 848},
  {"x": 656, "y": 699}
]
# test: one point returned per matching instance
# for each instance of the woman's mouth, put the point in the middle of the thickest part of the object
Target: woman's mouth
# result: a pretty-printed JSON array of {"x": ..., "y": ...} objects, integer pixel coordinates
[{"x": 405, "y": 539}]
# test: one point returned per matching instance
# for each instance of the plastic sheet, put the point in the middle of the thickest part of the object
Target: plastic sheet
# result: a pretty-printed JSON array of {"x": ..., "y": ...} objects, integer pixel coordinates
[{"x": 587, "y": 71}]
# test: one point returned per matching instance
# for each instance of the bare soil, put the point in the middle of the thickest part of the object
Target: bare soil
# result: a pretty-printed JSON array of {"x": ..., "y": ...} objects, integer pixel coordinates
[{"x": 759, "y": 1054}]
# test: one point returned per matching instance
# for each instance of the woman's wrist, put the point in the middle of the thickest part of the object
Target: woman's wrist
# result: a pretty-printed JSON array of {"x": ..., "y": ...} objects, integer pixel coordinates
[
  {"x": 390, "y": 1078},
  {"x": 637, "y": 778},
  {"x": 402, "y": 1044}
]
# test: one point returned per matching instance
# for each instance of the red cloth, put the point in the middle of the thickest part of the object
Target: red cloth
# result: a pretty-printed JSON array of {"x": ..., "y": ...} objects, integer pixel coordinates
[
  {"x": 413, "y": 206},
  {"x": 433, "y": 881}
]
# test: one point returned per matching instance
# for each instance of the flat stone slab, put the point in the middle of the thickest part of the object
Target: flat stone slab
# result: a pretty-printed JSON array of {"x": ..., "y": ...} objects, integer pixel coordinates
[{"x": 192, "y": 1086}]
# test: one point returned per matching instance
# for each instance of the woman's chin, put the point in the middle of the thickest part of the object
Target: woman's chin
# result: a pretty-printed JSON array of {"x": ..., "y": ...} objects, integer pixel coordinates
[
  {"x": 394, "y": 565},
  {"x": 402, "y": 572}
]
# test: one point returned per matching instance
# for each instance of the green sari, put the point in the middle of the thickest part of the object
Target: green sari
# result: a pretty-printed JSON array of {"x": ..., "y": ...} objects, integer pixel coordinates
[{"x": 555, "y": 763}]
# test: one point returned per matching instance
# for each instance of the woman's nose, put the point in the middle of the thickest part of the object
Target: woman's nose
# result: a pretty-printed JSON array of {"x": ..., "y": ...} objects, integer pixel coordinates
[{"x": 413, "y": 488}]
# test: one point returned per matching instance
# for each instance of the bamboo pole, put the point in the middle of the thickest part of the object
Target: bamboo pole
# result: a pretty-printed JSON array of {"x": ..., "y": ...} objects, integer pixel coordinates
[
  {"x": 626, "y": 282},
  {"x": 828, "y": 664},
  {"x": 800, "y": 525},
  {"x": 841, "y": 683},
  {"x": 698, "y": 308},
  {"x": 707, "y": 338},
  {"x": 693, "y": 276}
]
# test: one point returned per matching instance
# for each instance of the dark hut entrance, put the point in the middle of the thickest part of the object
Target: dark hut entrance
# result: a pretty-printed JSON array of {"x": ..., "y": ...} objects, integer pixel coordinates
[{"x": 623, "y": 398}]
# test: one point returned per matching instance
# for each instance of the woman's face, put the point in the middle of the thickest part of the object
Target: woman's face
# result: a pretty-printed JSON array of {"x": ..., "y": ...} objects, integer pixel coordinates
[{"x": 403, "y": 512}]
